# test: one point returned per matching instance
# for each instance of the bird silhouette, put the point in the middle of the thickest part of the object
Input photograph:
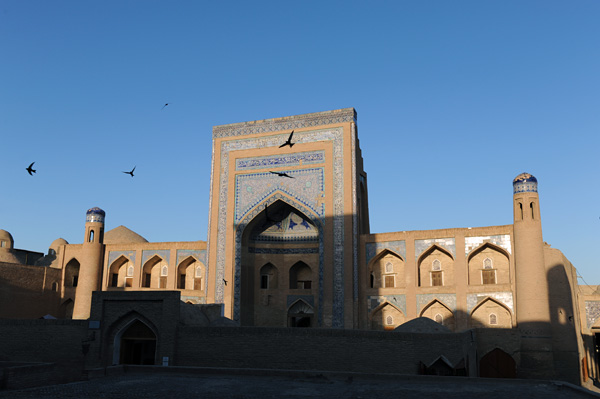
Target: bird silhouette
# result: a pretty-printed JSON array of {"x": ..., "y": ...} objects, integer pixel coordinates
[
  {"x": 225, "y": 281},
  {"x": 289, "y": 141},
  {"x": 282, "y": 174},
  {"x": 164, "y": 106},
  {"x": 131, "y": 173},
  {"x": 30, "y": 169}
]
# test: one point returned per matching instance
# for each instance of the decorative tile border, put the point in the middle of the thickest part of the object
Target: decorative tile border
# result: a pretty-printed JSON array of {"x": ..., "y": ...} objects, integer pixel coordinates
[
  {"x": 448, "y": 300},
  {"x": 163, "y": 253},
  {"x": 375, "y": 248},
  {"x": 449, "y": 244},
  {"x": 114, "y": 255},
  {"x": 334, "y": 135},
  {"x": 283, "y": 251},
  {"x": 354, "y": 218},
  {"x": 398, "y": 301},
  {"x": 306, "y": 187},
  {"x": 287, "y": 123},
  {"x": 592, "y": 312},
  {"x": 503, "y": 297},
  {"x": 502, "y": 241},
  {"x": 274, "y": 161}
]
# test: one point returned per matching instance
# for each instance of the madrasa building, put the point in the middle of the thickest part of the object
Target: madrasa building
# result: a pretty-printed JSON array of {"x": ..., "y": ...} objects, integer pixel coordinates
[{"x": 289, "y": 245}]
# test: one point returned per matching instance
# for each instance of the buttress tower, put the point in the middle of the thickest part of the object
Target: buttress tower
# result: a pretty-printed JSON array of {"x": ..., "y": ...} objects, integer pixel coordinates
[
  {"x": 90, "y": 272},
  {"x": 532, "y": 298}
]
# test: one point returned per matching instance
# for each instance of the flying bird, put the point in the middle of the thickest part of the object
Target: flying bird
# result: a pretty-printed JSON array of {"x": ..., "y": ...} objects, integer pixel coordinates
[
  {"x": 30, "y": 169},
  {"x": 131, "y": 173},
  {"x": 225, "y": 281},
  {"x": 289, "y": 141},
  {"x": 282, "y": 174},
  {"x": 164, "y": 106}
]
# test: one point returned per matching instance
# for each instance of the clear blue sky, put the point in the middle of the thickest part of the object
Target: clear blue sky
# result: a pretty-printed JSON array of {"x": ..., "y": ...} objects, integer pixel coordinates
[{"x": 454, "y": 99}]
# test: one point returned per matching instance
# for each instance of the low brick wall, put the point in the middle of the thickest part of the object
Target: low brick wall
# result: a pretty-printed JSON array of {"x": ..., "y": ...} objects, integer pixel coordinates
[
  {"x": 314, "y": 349},
  {"x": 27, "y": 376},
  {"x": 44, "y": 341}
]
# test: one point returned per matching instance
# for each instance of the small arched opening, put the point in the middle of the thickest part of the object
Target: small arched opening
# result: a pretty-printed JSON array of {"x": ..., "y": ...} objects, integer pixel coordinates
[
  {"x": 300, "y": 314},
  {"x": 497, "y": 364},
  {"x": 136, "y": 344}
]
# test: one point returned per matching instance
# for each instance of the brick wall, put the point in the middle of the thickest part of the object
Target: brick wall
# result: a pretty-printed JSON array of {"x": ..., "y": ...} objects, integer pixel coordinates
[
  {"x": 51, "y": 341},
  {"x": 312, "y": 349}
]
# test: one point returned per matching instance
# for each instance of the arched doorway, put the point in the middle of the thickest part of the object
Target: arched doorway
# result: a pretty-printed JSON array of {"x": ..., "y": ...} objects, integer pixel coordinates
[
  {"x": 300, "y": 314},
  {"x": 279, "y": 262},
  {"x": 137, "y": 344},
  {"x": 497, "y": 364}
]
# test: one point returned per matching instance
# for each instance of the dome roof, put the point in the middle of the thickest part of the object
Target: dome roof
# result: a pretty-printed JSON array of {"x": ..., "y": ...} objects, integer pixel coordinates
[
  {"x": 8, "y": 257},
  {"x": 95, "y": 210},
  {"x": 5, "y": 236},
  {"x": 422, "y": 325},
  {"x": 524, "y": 178},
  {"x": 524, "y": 183},
  {"x": 122, "y": 235},
  {"x": 57, "y": 243}
]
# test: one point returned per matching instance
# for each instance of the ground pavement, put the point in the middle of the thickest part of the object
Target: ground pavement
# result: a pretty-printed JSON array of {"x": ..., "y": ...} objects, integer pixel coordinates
[{"x": 182, "y": 385}]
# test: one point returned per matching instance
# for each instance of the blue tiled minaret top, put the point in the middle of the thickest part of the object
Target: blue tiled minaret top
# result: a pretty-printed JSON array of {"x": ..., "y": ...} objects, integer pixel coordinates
[
  {"x": 95, "y": 215},
  {"x": 525, "y": 182}
]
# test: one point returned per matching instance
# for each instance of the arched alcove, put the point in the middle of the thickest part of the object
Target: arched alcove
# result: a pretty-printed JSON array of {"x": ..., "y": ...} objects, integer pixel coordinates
[
  {"x": 386, "y": 317},
  {"x": 189, "y": 274},
  {"x": 489, "y": 264},
  {"x": 436, "y": 267},
  {"x": 120, "y": 273},
  {"x": 153, "y": 273},
  {"x": 435, "y": 309},
  {"x": 386, "y": 270},
  {"x": 71, "y": 273},
  {"x": 280, "y": 234},
  {"x": 481, "y": 315}
]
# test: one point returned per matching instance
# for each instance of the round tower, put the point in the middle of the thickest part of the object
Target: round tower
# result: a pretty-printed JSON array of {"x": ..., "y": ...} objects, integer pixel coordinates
[
  {"x": 90, "y": 270},
  {"x": 532, "y": 298}
]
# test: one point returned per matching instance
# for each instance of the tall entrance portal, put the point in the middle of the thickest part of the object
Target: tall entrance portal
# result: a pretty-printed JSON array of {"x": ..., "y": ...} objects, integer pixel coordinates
[{"x": 287, "y": 205}]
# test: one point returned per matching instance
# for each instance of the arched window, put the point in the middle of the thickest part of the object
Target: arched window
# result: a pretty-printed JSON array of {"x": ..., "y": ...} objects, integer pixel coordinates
[
  {"x": 91, "y": 236},
  {"x": 164, "y": 271},
  {"x": 436, "y": 265},
  {"x": 198, "y": 273},
  {"x": 439, "y": 319},
  {"x": 300, "y": 276},
  {"x": 487, "y": 263},
  {"x": 389, "y": 320},
  {"x": 55, "y": 287},
  {"x": 493, "y": 319},
  {"x": 389, "y": 267},
  {"x": 130, "y": 271},
  {"x": 532, "y": 213}
]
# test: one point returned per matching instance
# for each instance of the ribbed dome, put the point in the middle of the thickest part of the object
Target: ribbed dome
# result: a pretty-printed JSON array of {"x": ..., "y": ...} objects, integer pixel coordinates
[
  {"x": 7, "y": 238},
  {"x": 122, "y": 235}
]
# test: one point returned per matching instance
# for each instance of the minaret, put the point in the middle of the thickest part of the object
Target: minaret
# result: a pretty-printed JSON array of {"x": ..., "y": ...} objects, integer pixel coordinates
[
  {"x": 90, "y": 270},
  {"x": 532, "y": 298}
]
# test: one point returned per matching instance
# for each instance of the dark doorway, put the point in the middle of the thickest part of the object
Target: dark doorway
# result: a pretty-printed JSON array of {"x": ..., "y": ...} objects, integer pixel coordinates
[
  {"x": 597, "y": 354},
  {"x": 138, "y": 345},
  {"x": 299, "y": 321},
  {"x": 497, "y": 364}
]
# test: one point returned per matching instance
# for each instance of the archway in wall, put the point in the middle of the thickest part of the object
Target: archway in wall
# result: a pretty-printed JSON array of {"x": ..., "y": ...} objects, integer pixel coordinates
[
  {"x": 279, "y": 262},
  {"x": 71, "y": 274},
  {"x": 137, "y": 344},
  {"x": 497, "y": 364},
  {"x": 439, "y": 313},
  {"x": 66, "y": 309},
  {"x": 300, "y": 314},
  {"x": 386, "y": 317}
]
